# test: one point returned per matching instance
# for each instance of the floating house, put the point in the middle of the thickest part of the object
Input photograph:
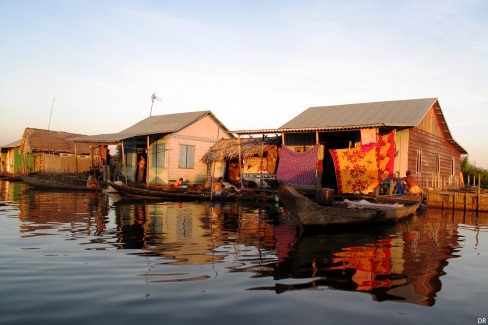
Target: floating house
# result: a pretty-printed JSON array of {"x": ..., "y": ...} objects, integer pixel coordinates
[
  {"x": 354, "y": 148},
  {"x": 10, "y": 158},
  {"x": 161, "y": 149},
  {"x": 50, "y": 152}
]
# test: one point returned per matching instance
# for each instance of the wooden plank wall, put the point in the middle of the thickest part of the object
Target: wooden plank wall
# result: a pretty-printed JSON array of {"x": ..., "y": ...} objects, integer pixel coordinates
[
  {"x": 429, "y": 138},
  {"x": 50, "y": 163}
]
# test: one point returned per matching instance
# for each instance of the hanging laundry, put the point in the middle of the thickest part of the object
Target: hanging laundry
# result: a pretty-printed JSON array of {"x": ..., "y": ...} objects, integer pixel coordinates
[
  {"x": 356, "y": 171},
  {"x": 386, "y": 155},
  {"x": 369, "y": 139},
  {"x": 298, "y": 168}
]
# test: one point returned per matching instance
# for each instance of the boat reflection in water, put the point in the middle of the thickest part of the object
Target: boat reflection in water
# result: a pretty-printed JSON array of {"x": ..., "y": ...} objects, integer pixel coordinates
[{"x": 402, "y": 262}]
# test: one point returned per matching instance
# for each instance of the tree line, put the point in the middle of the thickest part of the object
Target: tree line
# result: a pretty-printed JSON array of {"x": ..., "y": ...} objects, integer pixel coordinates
[{"x": 470, "y": 171}]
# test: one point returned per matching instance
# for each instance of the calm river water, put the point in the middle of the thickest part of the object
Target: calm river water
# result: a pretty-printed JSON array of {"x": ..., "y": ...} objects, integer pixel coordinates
[{"x": 82, "y": 258}]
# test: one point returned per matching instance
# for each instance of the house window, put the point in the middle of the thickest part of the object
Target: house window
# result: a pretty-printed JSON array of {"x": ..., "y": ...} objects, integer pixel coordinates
[
  {"x": 129, "y": 158},
  {"x": 157, "y": 155},
  {"x": 453, "y": 165},
  {"x": 438, "y": 164},
  {"x": 187, "y": 156},
  {"x": 418, "y": 163}
]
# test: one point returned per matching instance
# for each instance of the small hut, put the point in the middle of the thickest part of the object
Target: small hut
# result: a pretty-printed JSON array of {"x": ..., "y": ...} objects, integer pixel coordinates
[
  {"x": 48, "y": 151},
  {"x": 257, "y": 156},
  {"x": 10, "y": 158}
]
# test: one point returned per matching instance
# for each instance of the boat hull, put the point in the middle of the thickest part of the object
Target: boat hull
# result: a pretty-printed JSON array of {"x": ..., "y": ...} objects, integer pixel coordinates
[
  {"x": 308, "y": 213},
  {"x": 144, "y": 193},
  {"x": 46, "y": 184}
]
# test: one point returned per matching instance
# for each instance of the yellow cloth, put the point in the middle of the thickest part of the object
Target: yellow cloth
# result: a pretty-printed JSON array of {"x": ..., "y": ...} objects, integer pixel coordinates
[
  {"x": 415, "y": 190},
  {"x": 358, "y": 172}
]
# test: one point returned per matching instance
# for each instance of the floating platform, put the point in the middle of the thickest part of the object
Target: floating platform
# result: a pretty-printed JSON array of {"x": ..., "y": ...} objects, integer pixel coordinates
[{"x": 457, "y": 200}]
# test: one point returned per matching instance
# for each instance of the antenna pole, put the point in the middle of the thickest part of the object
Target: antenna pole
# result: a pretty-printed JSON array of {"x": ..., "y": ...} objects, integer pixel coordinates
[
  {"x": 49, "y": 125},
  {"x": 153, "y": 97}
]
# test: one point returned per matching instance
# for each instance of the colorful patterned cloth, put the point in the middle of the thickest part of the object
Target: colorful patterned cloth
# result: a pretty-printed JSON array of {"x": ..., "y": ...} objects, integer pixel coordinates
[
  {"x": 356, "y": 170},
  {"x": 298, "y": 168},
  {"x": 386, "y": 155},
  {"x": 359, "y": 170}
]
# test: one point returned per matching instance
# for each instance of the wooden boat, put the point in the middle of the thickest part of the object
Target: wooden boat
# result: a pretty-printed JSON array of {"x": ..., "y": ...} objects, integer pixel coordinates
[
  {"x": 61, "y": 183},
  {"x": 179, "y": 194},
  {"x": 186, "y": 194},
  {"x": 308, "y": 213}
]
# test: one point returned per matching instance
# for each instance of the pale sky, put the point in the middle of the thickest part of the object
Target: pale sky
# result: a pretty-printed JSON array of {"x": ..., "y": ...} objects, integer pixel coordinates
[{"x": 254, "y": 64}]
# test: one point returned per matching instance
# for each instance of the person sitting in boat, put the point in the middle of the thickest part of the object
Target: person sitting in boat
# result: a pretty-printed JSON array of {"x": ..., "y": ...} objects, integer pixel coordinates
[
  {"x": 400, "y": 186},
  {"x": 178, "y": 183},
  {"x": 231, "y": 188},
  {"x": 411, "y": 184},
  {"x": 219, "y": 188},
  {"x": 92, "y": 182}
]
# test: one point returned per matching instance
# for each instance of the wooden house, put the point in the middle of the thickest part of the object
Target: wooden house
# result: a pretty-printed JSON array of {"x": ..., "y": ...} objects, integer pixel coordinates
[
  {"x": 10, "y": 158},
  {"x": 161, "y": 149},
  {"x": 360, "y": 145},
  {"x": 49, "y": 151}
]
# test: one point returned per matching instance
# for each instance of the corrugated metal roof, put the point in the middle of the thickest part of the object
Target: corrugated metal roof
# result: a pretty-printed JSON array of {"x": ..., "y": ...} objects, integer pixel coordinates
[
  {"x": 112, "y": 138},
  {"x": 398, "y": 113},
  {"x": 406, "y": 113},
  {"x": 165, "y": 123},
  {"x": 169, "y": 123},
  {"x": 12, "y": 145}
]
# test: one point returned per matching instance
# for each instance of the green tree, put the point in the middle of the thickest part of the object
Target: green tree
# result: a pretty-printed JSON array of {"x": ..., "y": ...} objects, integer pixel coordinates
[{"x": 470, "y": 171}]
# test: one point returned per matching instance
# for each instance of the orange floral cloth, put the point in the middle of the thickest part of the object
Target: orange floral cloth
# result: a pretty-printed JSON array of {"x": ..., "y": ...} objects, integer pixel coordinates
[
  {"x": 359, "y": 170},
  {"x": 356, "y": 170}
]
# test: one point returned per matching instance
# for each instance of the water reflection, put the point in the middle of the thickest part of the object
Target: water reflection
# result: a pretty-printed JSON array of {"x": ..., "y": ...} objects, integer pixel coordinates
[
  {"x": 193, "y": 233},
  {"x": 402, "y": 262},
  {"x": 71, "y": 212}
]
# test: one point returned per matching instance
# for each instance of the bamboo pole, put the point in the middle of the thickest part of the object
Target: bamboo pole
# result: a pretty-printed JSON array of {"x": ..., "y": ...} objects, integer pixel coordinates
[
  {"x": 76, "y": 161},
  {"x": 123, "y": 163},
  {"x": 147, "y": 161},
  {"x": 261, "y": 164},
  {"x": 479, "y": 187},
  {"x": 213, "y": 170},
  {"x": 240, "y": 162}
]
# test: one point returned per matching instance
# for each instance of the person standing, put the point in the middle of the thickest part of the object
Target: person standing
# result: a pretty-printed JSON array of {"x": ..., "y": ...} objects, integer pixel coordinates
[
  {"x": 140, "y": 173},
  {"x": 106, "y": 166}
]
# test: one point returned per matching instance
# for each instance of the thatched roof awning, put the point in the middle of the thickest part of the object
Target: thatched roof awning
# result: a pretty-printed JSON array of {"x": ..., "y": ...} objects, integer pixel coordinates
[
  {"x": 38, "y": 140},
  {"x": 227, "y": 149}
]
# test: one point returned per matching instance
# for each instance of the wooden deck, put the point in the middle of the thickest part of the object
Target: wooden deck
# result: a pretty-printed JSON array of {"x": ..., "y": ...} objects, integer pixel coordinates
[{"x": 457, "y": 200}]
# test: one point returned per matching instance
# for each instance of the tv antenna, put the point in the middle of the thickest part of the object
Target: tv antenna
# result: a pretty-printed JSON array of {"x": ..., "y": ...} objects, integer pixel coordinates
[
  {"x": 153, "y": 98},
  {"x": 52, "y": 106}
]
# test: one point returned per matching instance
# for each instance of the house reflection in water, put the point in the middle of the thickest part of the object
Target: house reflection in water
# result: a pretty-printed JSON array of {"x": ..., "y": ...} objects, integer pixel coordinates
[
  {"x": 74, "y": 212},
  {"x": 187, "y": 233},
  {"x": 403, "y": 262}
]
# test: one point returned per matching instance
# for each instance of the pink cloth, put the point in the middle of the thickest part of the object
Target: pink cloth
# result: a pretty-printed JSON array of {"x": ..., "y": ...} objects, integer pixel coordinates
[{"x": 298, "y": 168}]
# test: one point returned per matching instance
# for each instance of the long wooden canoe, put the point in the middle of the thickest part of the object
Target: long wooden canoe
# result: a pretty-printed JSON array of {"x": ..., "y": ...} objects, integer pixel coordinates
[
  {"x": 187, "y": 194},
  {"x": 179, "y": 194},
  {"x": 308, "y": 213},
  {"x": 56, "y": 184}
]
